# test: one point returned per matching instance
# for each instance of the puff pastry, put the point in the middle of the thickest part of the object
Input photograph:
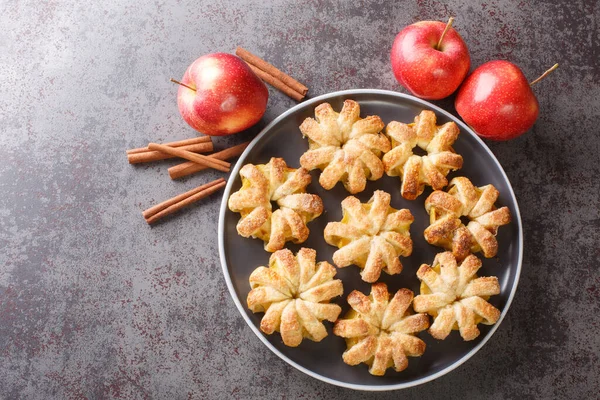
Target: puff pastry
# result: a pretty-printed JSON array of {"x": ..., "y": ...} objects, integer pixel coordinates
[
  {"x": 294, "y": 294},
  {"x": 275, "y": 181},
  {"x": 455, "y": 296},
  {"x": 380, "y": 331},
  {"x": 372, "y": 236},
  {"x": 463, "y": 199},
  {"x": 344, "y": 146},
  {"x": 417, "y": 171}
]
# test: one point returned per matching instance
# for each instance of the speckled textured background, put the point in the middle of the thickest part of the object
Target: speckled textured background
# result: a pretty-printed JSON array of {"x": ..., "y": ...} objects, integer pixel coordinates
[{"x": 95, "y": 304}]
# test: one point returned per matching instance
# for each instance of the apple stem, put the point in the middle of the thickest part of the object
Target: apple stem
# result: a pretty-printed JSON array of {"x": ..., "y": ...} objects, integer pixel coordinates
[
  {"x": 448, "y": 25},
  {"x": 545, "y": 74},
  {"x": 182, "y": 84}
]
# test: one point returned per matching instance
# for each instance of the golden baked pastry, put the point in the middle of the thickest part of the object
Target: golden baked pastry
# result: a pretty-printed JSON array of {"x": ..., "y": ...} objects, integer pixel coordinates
[
  {"x": 294, "y": 294},
  {"x": 455, "y": 296},
  {"x": 275, "y": 181},
  {"x": 477, "y": 204},
  {"x": 380, "y": 331},
  {"x": 372, "y": 236},
  {"x": 417, "y": 171},
  {"x": 344, "y": 146}
]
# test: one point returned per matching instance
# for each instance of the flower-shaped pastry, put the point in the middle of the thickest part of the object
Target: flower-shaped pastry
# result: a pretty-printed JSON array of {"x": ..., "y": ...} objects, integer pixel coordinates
[
  {"x": 455, "y": 296},
  {"x": 274, "y": 181},
  {"x": 344, "y": 146},
  {"x": 380, "y": 331},
  {"x": 372, "y": 236},
  {"x": 477, "y": 204},
  {"x": 417, "y": 171},
  {"x": 294, "y": 294}
]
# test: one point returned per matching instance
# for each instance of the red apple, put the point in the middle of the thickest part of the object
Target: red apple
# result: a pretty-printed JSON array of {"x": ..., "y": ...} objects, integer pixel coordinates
[
  {"x": 497, "y": 101},
  {"x": 220, "y": 95},
  {"x": 426, "y": 70}
]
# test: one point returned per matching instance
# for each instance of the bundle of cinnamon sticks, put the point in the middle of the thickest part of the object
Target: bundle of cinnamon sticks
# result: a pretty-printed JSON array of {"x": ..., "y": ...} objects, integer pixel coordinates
[
  {"x": 273, "y": 76},
  {"x": 188, "y": 149}
]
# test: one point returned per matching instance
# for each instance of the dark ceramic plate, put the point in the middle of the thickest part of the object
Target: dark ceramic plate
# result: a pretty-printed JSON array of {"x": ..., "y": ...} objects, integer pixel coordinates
[{"x": 240, "y": 256}]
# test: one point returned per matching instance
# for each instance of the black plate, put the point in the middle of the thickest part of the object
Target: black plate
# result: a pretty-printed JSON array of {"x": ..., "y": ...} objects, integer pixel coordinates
[{"x": 240, "y": 256}]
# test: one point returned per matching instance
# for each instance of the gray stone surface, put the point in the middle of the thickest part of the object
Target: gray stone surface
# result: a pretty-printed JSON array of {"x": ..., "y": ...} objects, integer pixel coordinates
[{"x": 95, "y": 304}]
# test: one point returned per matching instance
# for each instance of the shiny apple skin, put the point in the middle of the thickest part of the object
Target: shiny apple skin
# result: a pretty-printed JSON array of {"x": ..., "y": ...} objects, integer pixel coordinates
[
  {"x": 229, "y": 97},
  {"x": 496, "y": 100},
  {"x": 426, "y": 72}
]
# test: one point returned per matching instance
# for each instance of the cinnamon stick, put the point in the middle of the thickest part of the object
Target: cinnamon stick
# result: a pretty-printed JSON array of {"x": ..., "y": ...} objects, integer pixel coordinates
[
  {"x": 276, "y": 83},
  {"x": 176, "y": 203},
  {"x": 189, "y": 167},
  {"x": 271, "y": 70},
  {"x": 151, "y": 155},
  {"x": 179, "y": 143},
  {"x": 188, "y": 155}
]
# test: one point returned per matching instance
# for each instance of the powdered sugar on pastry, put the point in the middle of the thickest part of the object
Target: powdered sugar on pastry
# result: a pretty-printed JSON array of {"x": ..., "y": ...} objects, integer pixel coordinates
[
  {"x": 274, "y": 181},
  {"x": 380, "y": 330},
  {"x": 294, "y": 294},
  {"x": 456, "y": 298},
  {"x": 418, "y": 171},
  {"x": 371, "y": 235},
  {"x": 344, "y": 146},
  {"x": 477, "y": 204}
]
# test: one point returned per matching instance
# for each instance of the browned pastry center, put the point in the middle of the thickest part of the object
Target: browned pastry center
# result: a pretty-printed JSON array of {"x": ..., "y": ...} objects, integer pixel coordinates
[
  {"x": 344, "y": 146},
  {"x": 417, "y": 171},
  {"x": 275, "y": 181},
  {"x": 380, "y": 330},
  {"x": 477, "y": 204},
  {"x": 294, "y": 294},
  {"x": 455, "y": 296},
  {"x": 372, "y": 236}
]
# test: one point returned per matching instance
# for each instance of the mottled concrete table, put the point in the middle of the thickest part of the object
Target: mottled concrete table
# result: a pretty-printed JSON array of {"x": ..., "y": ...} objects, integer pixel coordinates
[{"x": 94, "y": 303}]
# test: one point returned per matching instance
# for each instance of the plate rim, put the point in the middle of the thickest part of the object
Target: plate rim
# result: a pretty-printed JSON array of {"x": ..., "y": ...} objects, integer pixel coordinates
[{"x": 242, "y": 309}]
